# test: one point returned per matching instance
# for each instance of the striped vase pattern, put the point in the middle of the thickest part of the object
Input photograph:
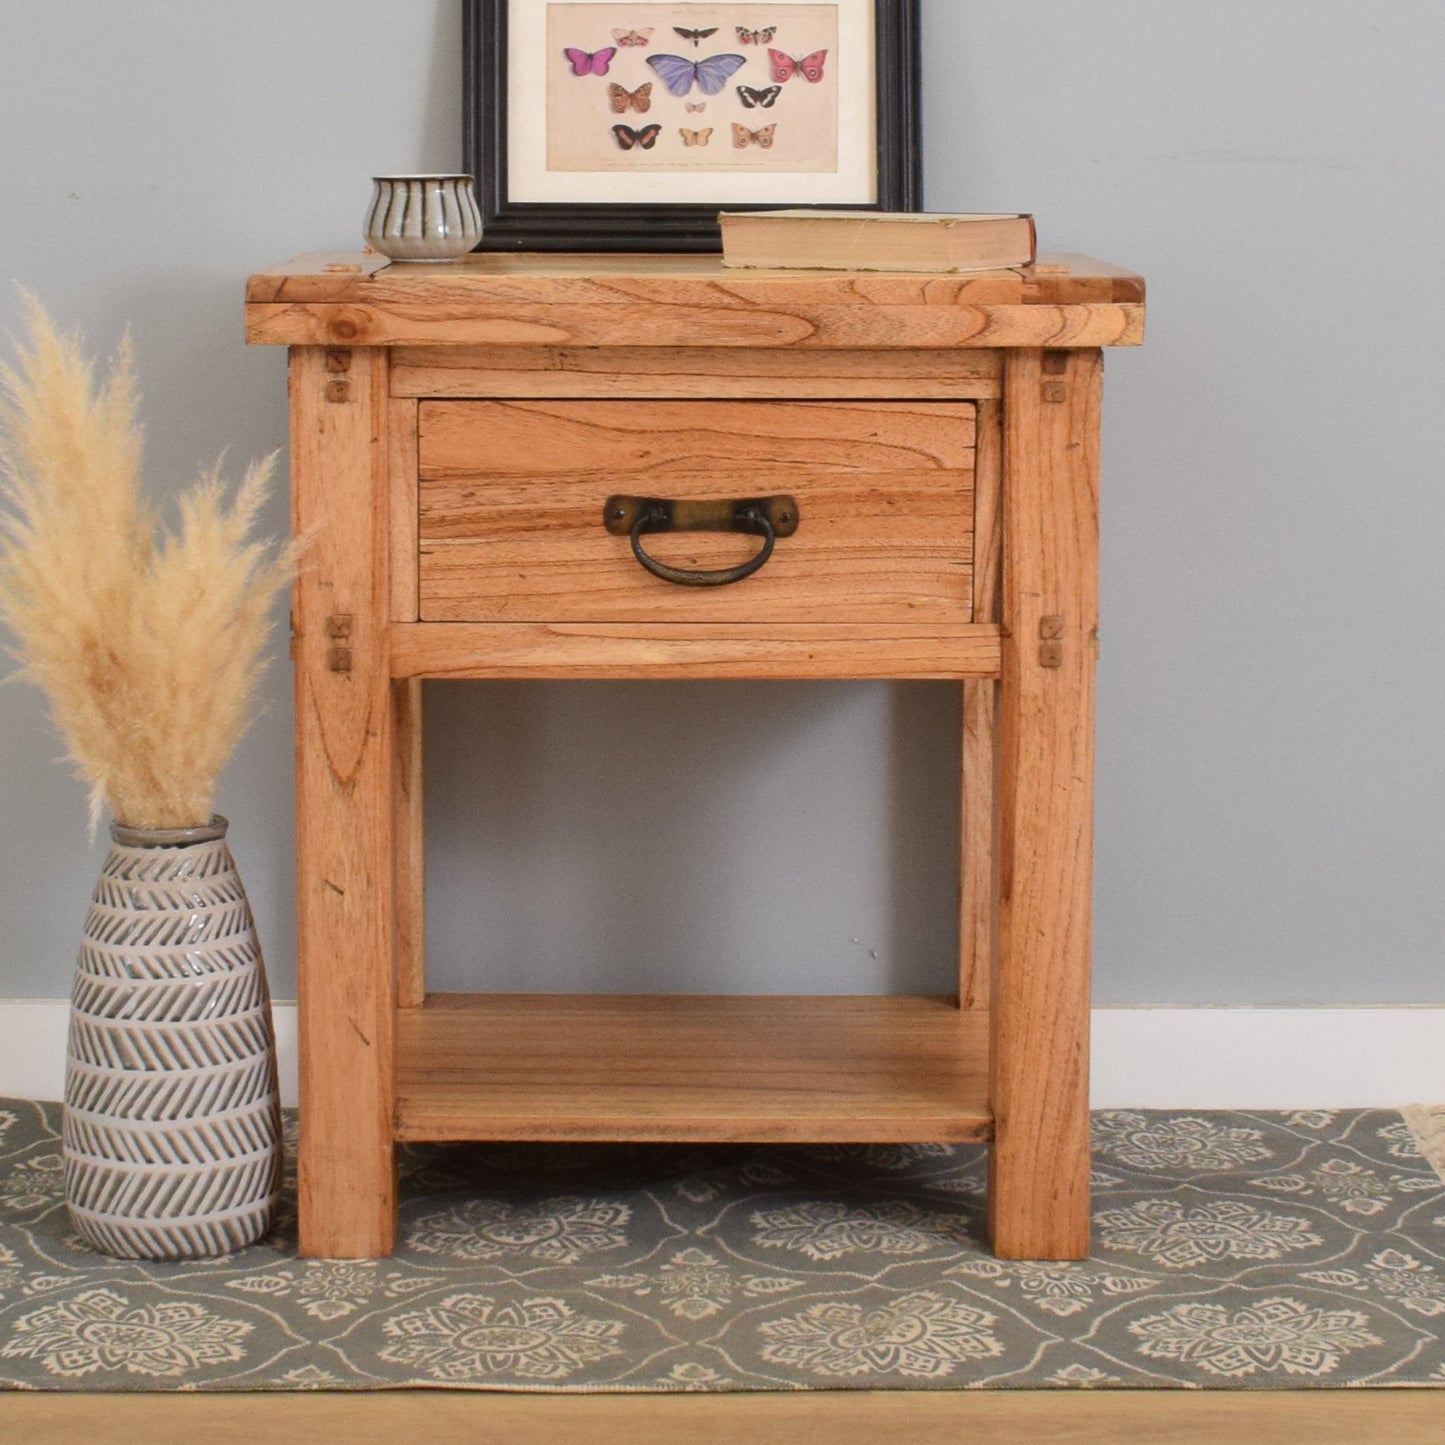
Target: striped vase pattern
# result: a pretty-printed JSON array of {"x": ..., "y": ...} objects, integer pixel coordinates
[
  {"x": 172, "y": 1124},
  {"x": 423, "y": 218}
]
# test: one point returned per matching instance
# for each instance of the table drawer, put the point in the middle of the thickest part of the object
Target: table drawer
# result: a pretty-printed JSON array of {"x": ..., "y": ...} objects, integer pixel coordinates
[{"x": 511, "y": 500}]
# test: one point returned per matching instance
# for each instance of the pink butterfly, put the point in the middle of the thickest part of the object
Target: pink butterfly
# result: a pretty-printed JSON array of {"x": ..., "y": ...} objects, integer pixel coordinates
[
  {"x": 584, "y": 63},
  {"x": 810, "y": 67},
  {"x": 743, "y": 137},
  {"x": 632, "y": 37}
]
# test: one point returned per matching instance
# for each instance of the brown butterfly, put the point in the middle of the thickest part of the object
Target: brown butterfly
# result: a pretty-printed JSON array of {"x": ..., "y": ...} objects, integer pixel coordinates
[
  {"x": 627, "y": 137},
  {"x": 695, "y": 137},
  {"x": 632, "y": 37},
  {"x": 624, "y": 100},
  {"x": 696, "y": 109},
  {"x": 756, "y": 37},
  {"x": 743, "y": 137}
]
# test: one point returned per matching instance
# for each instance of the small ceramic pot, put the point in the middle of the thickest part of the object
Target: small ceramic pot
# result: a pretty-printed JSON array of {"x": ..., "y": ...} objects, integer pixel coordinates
[{"x": 423, "y": 218}]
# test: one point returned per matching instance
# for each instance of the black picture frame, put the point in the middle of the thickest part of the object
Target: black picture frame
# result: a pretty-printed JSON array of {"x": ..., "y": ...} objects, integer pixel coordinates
[{"x": 591, "y": 226}]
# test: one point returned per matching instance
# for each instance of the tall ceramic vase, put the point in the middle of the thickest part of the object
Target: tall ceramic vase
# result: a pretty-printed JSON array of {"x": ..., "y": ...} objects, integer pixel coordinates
[{"x": 172, "y": 1133}]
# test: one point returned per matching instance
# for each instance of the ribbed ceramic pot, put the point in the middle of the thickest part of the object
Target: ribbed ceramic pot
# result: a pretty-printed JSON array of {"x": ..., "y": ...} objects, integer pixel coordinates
[
  {"x": 423, "y": 218},
  {"x": 172, "y": 1126}
]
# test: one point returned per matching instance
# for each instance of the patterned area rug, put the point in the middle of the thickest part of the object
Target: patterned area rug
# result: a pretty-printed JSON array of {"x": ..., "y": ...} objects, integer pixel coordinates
[{"x": 1231, "y": 1251}]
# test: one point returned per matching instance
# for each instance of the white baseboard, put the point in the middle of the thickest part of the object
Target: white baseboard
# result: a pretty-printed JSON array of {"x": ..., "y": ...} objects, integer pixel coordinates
[
  {"x": 1267, "y": 1058},
  {"x": 1143, "y": 1058}
]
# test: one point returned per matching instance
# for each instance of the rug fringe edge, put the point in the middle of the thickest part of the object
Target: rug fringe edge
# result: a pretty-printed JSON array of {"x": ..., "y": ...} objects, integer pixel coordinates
[{"x": 1427, "y": 1124}]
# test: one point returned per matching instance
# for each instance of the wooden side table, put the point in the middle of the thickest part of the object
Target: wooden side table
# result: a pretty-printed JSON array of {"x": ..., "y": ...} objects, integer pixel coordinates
[{"x": 920, "y": 456}]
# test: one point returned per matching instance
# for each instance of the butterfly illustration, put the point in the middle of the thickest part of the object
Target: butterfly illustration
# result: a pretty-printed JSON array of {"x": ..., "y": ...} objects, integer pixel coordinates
[
  {"x": 696, "y": 36},
  {"x": 624, "y": 100},
  {"x": 756, "y": 37},
  {"x": 810, "y": 67},
  {"x": 743, "y": 137},
  {"x": 751, "y": 98},
  {"x": 696, "y": 109},
  {"x": 627, "y": 137},
  {"x": 584, "y": 63},
  {"x": 709, "y": 75},
  {"x": 695, "y": 137},
  {"x": 632, "y": 37}
]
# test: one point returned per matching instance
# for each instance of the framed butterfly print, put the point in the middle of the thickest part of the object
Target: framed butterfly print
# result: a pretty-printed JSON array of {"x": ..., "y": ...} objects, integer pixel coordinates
[{"x": 626, "y": 125}]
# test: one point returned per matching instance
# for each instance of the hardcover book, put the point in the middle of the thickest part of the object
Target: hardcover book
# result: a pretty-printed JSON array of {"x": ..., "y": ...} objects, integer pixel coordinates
[{"x": 876, "y": 240}]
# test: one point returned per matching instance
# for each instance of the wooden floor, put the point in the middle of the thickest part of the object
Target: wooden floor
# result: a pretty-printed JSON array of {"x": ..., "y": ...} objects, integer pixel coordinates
[{"x": 1323, "y": 1417}]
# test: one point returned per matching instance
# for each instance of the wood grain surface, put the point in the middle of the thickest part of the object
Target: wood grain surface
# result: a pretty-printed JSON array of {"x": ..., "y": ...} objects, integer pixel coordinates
[
  {"x": 779, "y": 322},
  {"x": 409, "y": 842},
  {"x": 455, "y": 430},
  {"x": 695, "y": 1067},
  {"x": 693, "y": 650},
  {"x": 659, "y": 371},
  {"x": 662, "y": 301},
  {"x": 1039, "y": 1174},
  {"x": 511, "y": 498},
  {"x": 979, "y": 745},
  {"x": 1056, "y": 278},
  {"x": 803, "y": 1417},
  {"x": 402, "y": 513},
  {"x": 344, "y": 818}
]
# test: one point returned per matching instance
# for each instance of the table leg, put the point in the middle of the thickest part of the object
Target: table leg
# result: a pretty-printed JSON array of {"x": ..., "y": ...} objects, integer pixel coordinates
[
  {"x": 977, "y": 892},
  {"x": 977, "y": 909},
  {"x": 409, "y": 835},
  {"x": 1039, "y": 1159},
  {"x": 345, "y": 762}
]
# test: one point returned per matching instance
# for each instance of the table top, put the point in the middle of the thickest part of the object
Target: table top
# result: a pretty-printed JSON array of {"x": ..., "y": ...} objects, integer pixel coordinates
[{"x": 360, "y": 299}]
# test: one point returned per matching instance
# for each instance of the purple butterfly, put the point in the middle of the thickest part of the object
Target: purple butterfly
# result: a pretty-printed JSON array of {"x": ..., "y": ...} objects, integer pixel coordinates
[
  {"x": 584, "y": 63},
  {"x": 709, "y": 75}
]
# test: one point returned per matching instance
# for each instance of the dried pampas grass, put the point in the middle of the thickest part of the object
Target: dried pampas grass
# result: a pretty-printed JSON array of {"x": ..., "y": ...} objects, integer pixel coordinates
[{"x": 146, "y": 641}]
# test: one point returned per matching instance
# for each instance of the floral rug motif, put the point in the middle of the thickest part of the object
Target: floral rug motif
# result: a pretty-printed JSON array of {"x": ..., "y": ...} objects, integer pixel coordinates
[{"x": 1231, "y": 1250}]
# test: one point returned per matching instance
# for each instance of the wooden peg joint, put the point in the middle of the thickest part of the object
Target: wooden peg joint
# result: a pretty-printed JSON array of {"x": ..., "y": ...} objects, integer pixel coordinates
[
  {"x": 1051, "y": 646},
  {"x": 338, "y": 390},
  {"x": 1055, "y": 364},
  {"x": 338, "y": 629},
  {"x": 338, "y": 358}
]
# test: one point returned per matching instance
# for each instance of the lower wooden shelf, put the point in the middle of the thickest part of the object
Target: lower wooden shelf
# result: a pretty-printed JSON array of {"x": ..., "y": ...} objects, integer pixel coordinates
[{"x": 699, "y": 1068}]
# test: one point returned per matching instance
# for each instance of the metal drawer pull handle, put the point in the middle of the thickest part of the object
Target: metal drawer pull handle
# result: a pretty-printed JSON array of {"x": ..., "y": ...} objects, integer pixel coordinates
[{"x": 765, "y": 517}]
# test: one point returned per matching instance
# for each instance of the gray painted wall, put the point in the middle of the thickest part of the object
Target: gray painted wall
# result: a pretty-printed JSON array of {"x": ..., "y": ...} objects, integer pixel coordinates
[{"x": 1270, "y": 690}]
